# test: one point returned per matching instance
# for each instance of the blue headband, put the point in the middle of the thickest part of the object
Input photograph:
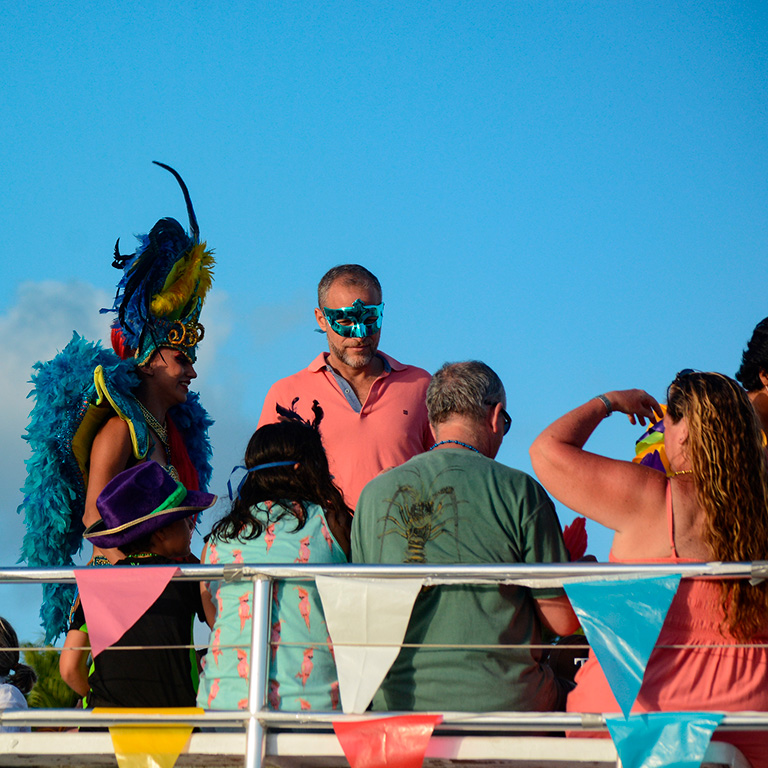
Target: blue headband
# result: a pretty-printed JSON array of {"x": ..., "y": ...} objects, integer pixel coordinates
[{"x": 248, "y": 472}]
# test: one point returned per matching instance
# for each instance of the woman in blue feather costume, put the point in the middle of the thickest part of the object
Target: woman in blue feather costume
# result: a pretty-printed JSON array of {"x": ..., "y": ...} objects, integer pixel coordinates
[{"x": 100, "y": 411}]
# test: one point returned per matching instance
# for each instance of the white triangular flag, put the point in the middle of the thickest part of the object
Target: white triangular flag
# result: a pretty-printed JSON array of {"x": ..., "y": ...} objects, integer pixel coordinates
[{"x": 359, "y": 612}]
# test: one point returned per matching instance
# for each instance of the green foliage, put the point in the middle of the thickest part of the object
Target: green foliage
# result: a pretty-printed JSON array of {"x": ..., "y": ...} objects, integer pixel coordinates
[{"x": 50, "y": 691}]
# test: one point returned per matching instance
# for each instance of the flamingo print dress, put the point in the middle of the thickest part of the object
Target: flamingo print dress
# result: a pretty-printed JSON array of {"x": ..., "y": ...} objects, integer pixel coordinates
[{"x": 302, "y": 672}]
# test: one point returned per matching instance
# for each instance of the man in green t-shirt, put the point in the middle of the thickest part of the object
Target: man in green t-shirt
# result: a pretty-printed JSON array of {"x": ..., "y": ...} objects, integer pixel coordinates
[{"x": 454, "y": 504}]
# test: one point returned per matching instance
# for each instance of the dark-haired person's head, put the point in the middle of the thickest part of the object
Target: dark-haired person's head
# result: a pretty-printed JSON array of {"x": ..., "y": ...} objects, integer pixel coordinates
[
  {"x": 307, "y": 478},
  {"x": 285, "y": 441},
  {"x": 753, "y": 371},
  {"x": 17, "y": 674}
]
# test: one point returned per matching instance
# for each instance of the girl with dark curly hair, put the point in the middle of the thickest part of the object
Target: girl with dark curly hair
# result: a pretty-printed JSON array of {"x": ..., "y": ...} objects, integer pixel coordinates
[{"x": 286, "y": 509}]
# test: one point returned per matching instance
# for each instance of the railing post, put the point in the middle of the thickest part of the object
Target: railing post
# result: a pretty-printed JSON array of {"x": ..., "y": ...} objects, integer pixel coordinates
[{"x": 259, "y": 669}]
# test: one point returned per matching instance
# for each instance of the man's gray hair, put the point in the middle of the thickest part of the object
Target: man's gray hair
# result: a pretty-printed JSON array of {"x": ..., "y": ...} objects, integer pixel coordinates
[
  {"x": 350, "y": 274},
  {"x": 463, "y": 389}
]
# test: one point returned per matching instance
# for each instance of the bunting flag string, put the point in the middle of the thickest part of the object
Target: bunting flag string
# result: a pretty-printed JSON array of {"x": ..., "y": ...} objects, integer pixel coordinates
[
  {"x": 622, "y": 620},
  {"x": 361, "y": 612}
]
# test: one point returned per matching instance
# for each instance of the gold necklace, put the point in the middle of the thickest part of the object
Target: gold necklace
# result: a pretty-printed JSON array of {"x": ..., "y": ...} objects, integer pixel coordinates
[
  {"x": 682, "y": 472},
  {"x": 162, "y": 433},
  {"x": 154, "y": 424}
]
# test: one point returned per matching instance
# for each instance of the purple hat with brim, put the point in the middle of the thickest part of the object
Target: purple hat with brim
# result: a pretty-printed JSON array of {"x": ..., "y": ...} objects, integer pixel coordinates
[{"x": 139, "y": 501}]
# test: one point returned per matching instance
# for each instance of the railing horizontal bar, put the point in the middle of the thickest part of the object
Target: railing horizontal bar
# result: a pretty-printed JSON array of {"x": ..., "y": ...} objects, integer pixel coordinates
[
  {"x": 434, "y": 574},
  {"x": 553, "y": 721}
]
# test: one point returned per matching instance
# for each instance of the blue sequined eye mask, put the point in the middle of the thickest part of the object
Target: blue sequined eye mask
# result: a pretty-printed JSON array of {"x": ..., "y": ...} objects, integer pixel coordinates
[{"x": 357, "y": 321}]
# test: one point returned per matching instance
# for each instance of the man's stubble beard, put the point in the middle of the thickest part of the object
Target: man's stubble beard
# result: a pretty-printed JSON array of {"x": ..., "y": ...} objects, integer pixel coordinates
[{"x": 353, "y": 361}]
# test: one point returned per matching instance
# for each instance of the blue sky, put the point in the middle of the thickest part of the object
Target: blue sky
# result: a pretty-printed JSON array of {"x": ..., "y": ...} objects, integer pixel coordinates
[{"x": 575, "y": 193}]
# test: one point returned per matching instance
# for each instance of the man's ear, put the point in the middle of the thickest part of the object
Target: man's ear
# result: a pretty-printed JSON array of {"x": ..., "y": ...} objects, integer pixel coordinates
[
  {"x": 495, "y": 419},
  {"x": 764, "y": 378},
  {"x": 321, "y": 320}
]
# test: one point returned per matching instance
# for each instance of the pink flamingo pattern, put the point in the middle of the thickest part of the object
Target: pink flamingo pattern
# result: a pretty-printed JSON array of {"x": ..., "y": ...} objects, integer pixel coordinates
[
  {"x": 304, "y": 607},
  {"x": 242, "y": 664},
  {"x": 242, "y": 704},
  {"x": 244, "y": 611},
  {"x": 302, "y": 673},
  {"x": 273, "y": 697},
  {"x": 269, "y": 536},
  {"x": 275, "y": 638},
  {"x": 303, "y": 551},
  {"x": 335, "y": 695},
  {"x": 216, "y": 646},
  {"x": 306, "y": 666},
  {"x": 326, "y": 535},
  {"x": 213, "y": 692},
  {"x": 213, "y": 555}
]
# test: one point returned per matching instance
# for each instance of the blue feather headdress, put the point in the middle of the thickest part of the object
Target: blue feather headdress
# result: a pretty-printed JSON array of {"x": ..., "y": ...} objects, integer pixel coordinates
[{"x": 162, "y": 290}]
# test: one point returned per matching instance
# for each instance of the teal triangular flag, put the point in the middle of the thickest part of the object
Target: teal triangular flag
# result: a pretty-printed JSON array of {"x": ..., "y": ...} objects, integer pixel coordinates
[
  {"x": 622, "y": 620},
  {"x": 663, "y": 739}
]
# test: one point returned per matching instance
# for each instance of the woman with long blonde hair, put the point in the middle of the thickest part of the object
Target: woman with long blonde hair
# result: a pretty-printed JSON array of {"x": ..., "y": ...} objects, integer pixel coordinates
[{"x": 712, "y": 505}]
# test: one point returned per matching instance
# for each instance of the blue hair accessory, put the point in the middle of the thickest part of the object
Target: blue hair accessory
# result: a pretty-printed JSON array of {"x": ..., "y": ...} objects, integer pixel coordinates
[{"x": 248, "y": 472}]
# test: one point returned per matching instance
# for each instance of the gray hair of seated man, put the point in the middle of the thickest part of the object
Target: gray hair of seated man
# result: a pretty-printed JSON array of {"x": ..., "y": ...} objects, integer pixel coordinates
[
  {"x": 463, "y": 389},
  {"x": 350, "y": 274}
]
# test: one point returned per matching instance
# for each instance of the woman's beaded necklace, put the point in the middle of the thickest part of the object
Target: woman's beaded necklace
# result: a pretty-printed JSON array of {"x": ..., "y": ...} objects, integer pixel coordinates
[{"x": 162, "y": 433}]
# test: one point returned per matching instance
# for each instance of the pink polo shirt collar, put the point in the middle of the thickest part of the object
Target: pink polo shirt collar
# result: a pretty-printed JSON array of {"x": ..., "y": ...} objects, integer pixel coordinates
[{"x": 319, "y": 363}]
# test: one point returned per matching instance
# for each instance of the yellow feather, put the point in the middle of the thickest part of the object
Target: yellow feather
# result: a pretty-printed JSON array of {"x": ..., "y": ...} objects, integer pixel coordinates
[{"x": 190, "y": 278}]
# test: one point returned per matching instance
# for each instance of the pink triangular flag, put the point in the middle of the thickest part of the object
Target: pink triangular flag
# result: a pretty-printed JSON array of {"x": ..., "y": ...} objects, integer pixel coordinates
[
  {"x": 389, "y": 742},
  {"x": 114, "y": 599}
]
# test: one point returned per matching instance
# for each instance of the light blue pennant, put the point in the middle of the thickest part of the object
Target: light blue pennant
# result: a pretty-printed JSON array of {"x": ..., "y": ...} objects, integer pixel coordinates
[
  {"x": 663, "y": 739},
  {"x": 622, "y": 620}
]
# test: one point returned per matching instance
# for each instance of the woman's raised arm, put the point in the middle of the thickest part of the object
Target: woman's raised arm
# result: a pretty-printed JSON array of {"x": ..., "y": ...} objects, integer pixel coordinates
[{"x": 617, "y": 494}]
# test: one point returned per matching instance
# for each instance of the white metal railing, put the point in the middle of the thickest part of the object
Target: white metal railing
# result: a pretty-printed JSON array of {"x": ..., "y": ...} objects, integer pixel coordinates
[{"x": 256, "y": 718}]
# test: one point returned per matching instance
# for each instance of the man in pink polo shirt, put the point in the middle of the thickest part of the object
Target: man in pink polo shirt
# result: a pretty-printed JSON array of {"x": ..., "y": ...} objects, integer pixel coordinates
[{"x": 375, "y": 413}]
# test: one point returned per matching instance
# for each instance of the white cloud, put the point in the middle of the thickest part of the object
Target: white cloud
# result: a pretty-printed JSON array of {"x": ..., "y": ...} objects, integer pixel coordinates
[
  {"x": 38, "y": 326},
  {"x": 35, "y": 328}
]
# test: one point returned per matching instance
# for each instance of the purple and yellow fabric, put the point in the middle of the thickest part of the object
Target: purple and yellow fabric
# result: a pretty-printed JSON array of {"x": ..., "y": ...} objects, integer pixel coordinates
[{"x": 649, "y": 449}]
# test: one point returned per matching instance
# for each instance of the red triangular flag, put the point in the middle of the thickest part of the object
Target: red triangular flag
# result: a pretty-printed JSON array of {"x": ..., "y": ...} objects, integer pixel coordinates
[
  {"x": 114, "y": 599},
  {"x": 389, "y": 742}
]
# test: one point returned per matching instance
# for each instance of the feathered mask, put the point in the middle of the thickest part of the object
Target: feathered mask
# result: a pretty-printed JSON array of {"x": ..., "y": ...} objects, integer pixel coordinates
[{"x": 162, "y": 290}]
